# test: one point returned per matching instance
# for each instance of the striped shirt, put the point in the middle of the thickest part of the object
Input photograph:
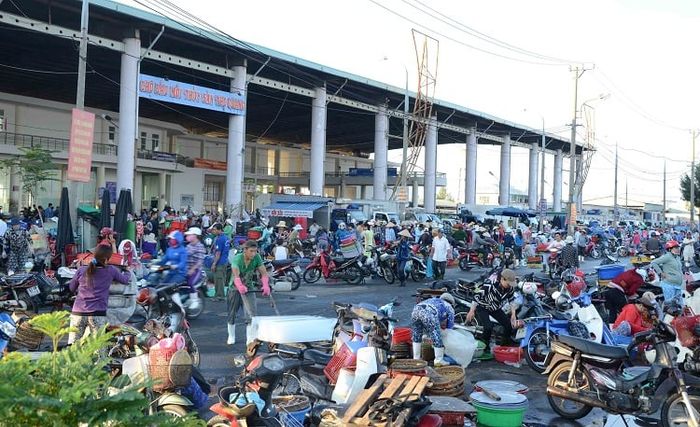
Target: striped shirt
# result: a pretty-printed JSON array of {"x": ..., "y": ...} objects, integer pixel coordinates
[
  {"x": 493, "y": 296},
  {"x": 195, "y": 255}
]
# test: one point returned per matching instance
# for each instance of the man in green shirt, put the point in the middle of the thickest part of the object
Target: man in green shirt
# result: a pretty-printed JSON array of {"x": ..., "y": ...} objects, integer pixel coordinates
[{"x": 245, "y": 267}]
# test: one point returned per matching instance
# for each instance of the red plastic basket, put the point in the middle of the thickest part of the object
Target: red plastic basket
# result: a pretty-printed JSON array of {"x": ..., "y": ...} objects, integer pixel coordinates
[
  {"x": 450, "y": 418},
  {"x": 343, "y": 358},
  {"x": 401, "y": 335},
  {"x": 684, "y": 326},
  {"x": 507, "y": 354}
]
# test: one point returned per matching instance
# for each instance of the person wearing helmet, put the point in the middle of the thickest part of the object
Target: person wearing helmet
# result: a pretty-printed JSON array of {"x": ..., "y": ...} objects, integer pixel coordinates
[
  {"x": 245, "y": 267},
  {"x": 17, "y": 245},
  {"x": 220, "y": 265},
  {"x": 488, "y": 304},
  {"x": 176, "y": 258},
  {"x": 624, "y": 285},
  {"x": 428, "y": 318},
  {"x": 195, "y": 261},
  {"x": 670, "y": 271},
  {"x": 636, "y": 317},
  {"x": 91, "y": 283}
]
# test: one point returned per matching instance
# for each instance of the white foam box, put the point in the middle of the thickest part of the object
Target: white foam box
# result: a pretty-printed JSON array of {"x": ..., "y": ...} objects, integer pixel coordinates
[{"x": 290, "y": 329}]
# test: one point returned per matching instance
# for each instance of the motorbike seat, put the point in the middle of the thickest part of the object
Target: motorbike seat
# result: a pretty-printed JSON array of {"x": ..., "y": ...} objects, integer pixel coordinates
[
  {"x": 16, "y": 279},
  {"x": 317, "y": 356},
  {"x": 593, "y": 348},
  {"x": 558, "y": 315},
  {"x": 339, "y": 260},
  {"x": 282, "y": 262}
]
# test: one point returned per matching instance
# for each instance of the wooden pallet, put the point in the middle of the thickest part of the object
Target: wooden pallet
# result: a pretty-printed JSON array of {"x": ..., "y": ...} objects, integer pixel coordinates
[{"x": 403, "y": 388}]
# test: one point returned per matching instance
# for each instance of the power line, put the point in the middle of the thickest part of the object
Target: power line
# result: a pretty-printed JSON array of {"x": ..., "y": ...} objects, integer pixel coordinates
[
  {"x": 34, "y": 70},
  {"x": 460, "y": 42}
]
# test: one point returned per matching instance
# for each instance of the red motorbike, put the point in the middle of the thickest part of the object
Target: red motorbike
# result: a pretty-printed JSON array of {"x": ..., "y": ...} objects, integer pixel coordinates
[
  {"x": 471, "y": 258},
  {"x": 288, "y": 268},
  {"x": 330, "y": 267}
]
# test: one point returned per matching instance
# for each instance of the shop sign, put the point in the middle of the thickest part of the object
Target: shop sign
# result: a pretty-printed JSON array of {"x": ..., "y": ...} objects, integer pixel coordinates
[{"x": 160, "y": 89}]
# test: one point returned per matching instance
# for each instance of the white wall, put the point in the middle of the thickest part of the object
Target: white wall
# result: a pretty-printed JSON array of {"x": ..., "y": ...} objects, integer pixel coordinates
[{"x": 190, "y": 182}]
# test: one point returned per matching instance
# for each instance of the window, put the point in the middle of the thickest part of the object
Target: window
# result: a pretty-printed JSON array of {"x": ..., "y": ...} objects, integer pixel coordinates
[
  {"x": 155, "y": 142},
  {"x": 144, "y": 136},
  {"x": 111, "y": 132}
]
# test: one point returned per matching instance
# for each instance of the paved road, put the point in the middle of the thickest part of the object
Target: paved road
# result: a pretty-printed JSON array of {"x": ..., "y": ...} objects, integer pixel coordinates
[{"x": 217, "y": 358}]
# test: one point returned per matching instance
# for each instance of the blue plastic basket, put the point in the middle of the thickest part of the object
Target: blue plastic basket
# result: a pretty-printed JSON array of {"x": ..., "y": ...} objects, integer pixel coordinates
[{"x": 609, "y": 272}]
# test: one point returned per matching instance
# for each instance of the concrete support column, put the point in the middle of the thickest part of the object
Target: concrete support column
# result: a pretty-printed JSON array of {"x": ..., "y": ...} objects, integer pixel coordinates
[
  {"x": 318, "y": 142},
  {"x": 414, "y": 193},
  {"x": 277, "y": 168},
  {"x": 558, "y": 166},
  {"x": 429, "y": 181},
  {"x": 504, "y": 183},
  {"x": 363, "y": 192},
  {"x": 15, "y": 190},
  {"x": 101, "y": 181},
  {"x": 235, "y": 153},
  {"x": 532, "y": 178},
  {"x": 343, "y": 188},
  {"x": 381, "y": 149},
  {"x": 470, "y": 173},
  {"x": 128, "y": 108},
  {"x": 162, "y": 189}
]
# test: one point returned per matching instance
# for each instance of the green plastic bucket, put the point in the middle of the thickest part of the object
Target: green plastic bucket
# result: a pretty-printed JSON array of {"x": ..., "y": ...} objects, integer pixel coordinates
[{"x": 490, "y": 417}]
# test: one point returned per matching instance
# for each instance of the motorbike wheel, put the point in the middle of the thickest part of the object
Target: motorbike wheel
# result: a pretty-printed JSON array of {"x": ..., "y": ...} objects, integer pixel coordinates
[
  {"x": 353, "y": 275},
  {"x": 674, "y": 412},
  {"x": 175, "y": 411},
  {"x": 294, "y": 277},
  {"x": 218, "y": 421},
  {"x": 192, "y": 349},
  {"x": 595, "y": 253},
  {"x": 289, "y": 385},
  {"x": 464, "y": 264},
  {"x": 193, "y": 314},
  {"x": 622, "y": 251},
  {"x": 28, "y": 301},
  {"x": 388, "y": 274},
  {"x": 537, "y": 349},
  {"x": 417, "y": 276},
  {"x": 558, "y": 378},
  {"x": 312, "y": 275}
]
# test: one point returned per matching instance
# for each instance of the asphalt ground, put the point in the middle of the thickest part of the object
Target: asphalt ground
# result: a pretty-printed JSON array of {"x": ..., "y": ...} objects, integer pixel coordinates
[{"x": 218, "y": 368}]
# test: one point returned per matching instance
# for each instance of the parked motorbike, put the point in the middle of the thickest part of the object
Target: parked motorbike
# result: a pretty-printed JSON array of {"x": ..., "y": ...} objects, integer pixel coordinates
[
  {"x": 34, "y": 290},
  {"x": 471, "y": 258},
  {"x": 156, "y": 273},
  {"x": 386, "y": 265},
  {"x": 163, "y": 303},
  {"x": 288, "y": 269},
  {"x": 417, "y": 267},
  {"x": 349, "y": 270},
  {"x": 583, "y": 375}
]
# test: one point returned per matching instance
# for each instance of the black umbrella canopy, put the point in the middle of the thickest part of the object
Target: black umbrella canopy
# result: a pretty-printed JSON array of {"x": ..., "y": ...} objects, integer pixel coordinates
[
  {"x": 65, "y": 227},
  {"x": 105, "y": 211},
  {"x": 124, "y": 207}
]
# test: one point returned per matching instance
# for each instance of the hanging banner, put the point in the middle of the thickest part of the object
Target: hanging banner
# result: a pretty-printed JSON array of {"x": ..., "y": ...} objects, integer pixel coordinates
[
  {"x": 160, "y": 89},
  {"x": 82, "y": 131}
]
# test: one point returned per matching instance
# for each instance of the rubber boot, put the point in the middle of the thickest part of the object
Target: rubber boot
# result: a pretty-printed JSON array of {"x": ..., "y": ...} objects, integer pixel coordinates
[
  {"x": 231, "y": 334},
  {"x": 417, "y": 350},
  {"x": 194, "y": 301},
  {"x": 439, "y": 357}
]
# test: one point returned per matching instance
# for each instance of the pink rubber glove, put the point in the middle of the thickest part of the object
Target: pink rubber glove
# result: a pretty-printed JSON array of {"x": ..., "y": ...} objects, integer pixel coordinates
[
  {"x": 240, "y": 286},
  {"x": 266, "y": 286}
]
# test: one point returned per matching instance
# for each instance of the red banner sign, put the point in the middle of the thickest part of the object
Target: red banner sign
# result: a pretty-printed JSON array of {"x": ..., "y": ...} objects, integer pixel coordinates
[{"x": 80, "y": 149}]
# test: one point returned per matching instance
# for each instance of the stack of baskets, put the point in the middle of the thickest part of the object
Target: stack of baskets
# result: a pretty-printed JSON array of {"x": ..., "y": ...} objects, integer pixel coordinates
[
  {"x": 401, "y": 343},
  {"x": 408, "y": 367},
  {"x": 446, "y": 381},
  {"x": 27, "y": 337},
  {"x": 169, "y": 369}
]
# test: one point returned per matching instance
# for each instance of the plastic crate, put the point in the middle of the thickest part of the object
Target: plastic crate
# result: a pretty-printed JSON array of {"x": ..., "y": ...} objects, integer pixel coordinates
[{"x": 343, "y": 358}]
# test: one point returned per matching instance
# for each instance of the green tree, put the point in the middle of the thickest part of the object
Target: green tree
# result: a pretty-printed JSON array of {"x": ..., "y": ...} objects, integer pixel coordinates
[
  {"x": 72, "y": 387},
  {"x": 442, "y": 194},
  {"x": 685, "y": 186},
  {"x": 35, "y": 166}
]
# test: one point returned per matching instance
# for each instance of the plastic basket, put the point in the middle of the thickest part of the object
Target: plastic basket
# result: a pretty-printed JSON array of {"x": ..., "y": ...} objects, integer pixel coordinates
[
  {"x": 401, "y": 335},
  {"x": 684, "y": 326},
  {"x": 343, "y": 358},
  {"x": 26, "y": 337},
  {"x": 490, "y": 417},
  {"x": 507, "y": 354},
  {"x": 159, "y": 368}
]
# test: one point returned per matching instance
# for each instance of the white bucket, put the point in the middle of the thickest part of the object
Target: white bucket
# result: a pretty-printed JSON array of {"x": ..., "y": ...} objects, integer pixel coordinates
[{"x": 343, "y": 386}]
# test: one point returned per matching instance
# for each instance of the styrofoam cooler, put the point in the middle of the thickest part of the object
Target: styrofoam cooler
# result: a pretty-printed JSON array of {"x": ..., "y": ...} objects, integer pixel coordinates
[{"x": 290, "y": 329}]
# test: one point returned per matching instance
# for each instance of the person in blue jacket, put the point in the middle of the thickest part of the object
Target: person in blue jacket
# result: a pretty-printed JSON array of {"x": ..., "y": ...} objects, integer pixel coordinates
[{"x": 176, "y": 258}]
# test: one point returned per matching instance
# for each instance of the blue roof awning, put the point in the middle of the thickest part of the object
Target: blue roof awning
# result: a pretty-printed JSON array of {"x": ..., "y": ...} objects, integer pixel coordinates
[{"x": 294, "y": 210}]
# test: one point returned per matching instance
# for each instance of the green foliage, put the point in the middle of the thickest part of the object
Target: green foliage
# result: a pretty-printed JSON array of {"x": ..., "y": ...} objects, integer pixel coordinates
[
  {"x": 685, "y": 187},
  {"x": 72, "y": 387},
  {"x": 443, "y": 194},
  {"x": 35, "y": 166}
]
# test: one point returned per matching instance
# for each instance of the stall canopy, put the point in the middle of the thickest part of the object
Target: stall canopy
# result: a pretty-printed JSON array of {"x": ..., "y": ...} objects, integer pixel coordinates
[{"x": 294, "y": 210}]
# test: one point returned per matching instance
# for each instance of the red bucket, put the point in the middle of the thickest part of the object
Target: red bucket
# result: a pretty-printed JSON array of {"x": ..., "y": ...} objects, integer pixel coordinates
[
  {"x": 401, "y": 335},
  {"x": 508, "y": 354}
]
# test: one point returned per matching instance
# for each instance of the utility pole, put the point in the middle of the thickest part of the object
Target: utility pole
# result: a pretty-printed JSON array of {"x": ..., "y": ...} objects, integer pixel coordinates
[
  {"x": 542, "y": 197},
  {"x": 578, "y": 72},
  {"x": 692, "y": 183},
  {"x": 615, "y": 207},
  {"x": 75, "y": 188},
  {"x": 663, "y": 218}
]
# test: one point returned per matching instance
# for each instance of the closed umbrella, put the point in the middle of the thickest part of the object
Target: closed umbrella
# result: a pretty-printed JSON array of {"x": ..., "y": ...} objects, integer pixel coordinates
[
  {"x": 124, "y": 207},
  {"x": 65, "y": 227},
  {"x": 105, "y": 211}
]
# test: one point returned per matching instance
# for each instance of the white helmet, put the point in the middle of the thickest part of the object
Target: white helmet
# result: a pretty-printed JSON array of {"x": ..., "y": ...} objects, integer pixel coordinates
[
  {"x": 529, "y": 288},
  {"x": 642, "y": 272}
]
